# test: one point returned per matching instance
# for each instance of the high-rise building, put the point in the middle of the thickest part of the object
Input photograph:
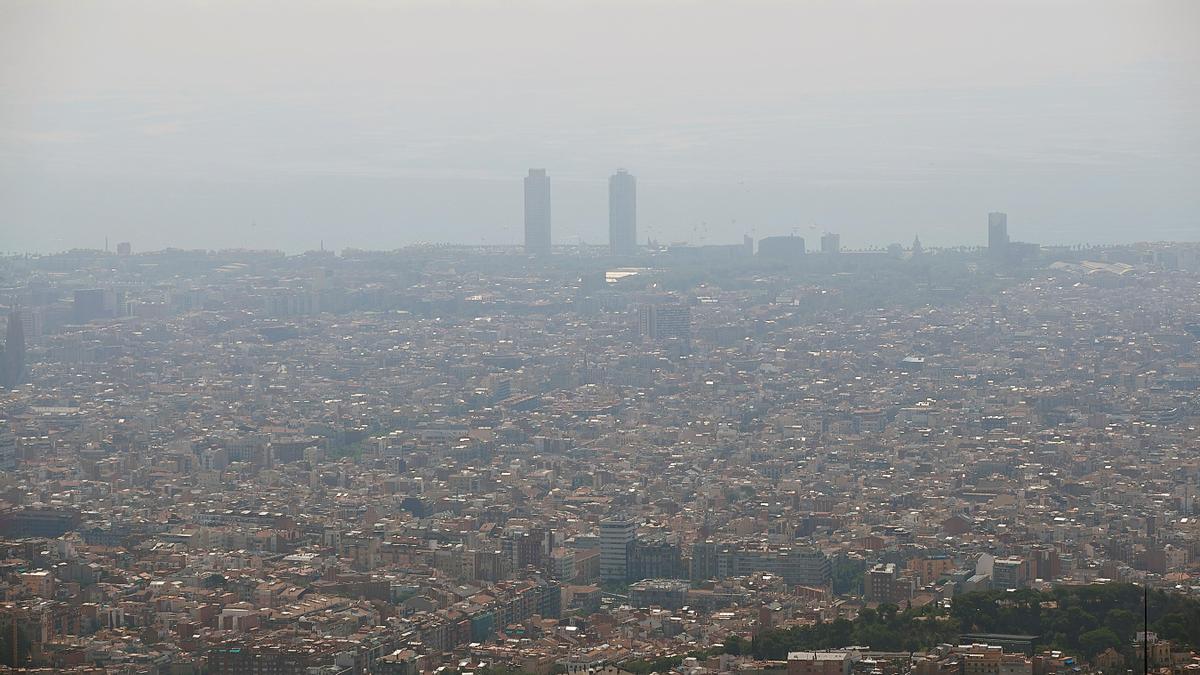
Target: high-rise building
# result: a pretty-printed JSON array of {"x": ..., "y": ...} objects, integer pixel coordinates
[
  {"x": 800, "y": 565},
  {"x": 654, "y": 558},
  {"x": 562, "y": 564},
  {"x": 537, "y": 212},
  {"x": 12, "y": 367},
  {"x": 665, "y": 322},
  {"x": 8, "y": 448},
  {"x": 92, "y": 303},
  {"x": 616, "y": 538},
  {"x": 622, "y": 213},
  {"x": 790, "y": 248},
  {"x": 931, "y": 568},
  {"x": 887, "y": 583},
  {"x": 1045, "y": 563},
  {"x": 1009, "y": 573},
  {"x": 997, "y": 235},
  {"x": 831, "y": 242},
  {"x": 704, "y": 560}
]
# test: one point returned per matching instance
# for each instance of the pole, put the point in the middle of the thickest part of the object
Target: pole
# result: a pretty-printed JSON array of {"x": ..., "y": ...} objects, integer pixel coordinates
[{"x": 1146, "y": 631}]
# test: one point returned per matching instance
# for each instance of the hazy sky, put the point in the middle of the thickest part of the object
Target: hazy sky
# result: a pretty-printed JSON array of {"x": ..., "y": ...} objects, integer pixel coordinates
[{"x": 379, "y": 124}]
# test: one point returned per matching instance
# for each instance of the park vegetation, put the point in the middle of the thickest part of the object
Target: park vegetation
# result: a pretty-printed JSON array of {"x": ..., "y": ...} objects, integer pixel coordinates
[{"x": 1081, "y": 620}]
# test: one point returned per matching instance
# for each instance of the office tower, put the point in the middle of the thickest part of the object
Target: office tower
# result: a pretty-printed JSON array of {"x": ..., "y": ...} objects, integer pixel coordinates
[
  {"x": 704, "y": 561},
  {"x": 537, "y": 212},
  {"x": 831, "y": 243},
  {"x": 997, "y": 235},
  {"x": 616, "y": 537},
  {"x": 795, "y": 565},
  {"x": 885, "y": 582},
  {"x": 1045, "y": 563},
  {"x": 528, "y": 549},
  {"x": 622, "y": 213},
  {"x": 1009, "y": 573},
  {"x": 8, "y": 448},
  {"x": 665, "y": 322},
  {"x": 12, "y": 369},
  {"x": 781, "y": 248},
  {"x": 562, "y": 564},
  {"x": 90, "y": 303},
  {"x": 654, "y": 558},
  {"x": 805, "y": 566}
]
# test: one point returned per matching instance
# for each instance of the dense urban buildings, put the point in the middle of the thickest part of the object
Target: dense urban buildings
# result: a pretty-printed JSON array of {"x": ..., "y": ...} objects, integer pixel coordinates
[{"x": 685, "y": 458}]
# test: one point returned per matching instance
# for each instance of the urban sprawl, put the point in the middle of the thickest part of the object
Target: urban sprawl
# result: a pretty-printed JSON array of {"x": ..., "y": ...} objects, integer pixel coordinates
[{"x": 754, "y": 458}]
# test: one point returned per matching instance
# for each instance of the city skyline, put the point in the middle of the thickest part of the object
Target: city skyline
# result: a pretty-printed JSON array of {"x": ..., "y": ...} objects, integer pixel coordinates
[
  {"x": 335, "y": 339},
  {"x": 399, "y": 462},
  {"x": 283, "y": 137}
]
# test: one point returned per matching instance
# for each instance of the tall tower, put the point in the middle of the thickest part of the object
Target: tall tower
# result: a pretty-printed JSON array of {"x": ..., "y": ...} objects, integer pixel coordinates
[
  {"x": 616, "y": 536},
  {"x": 622, "y": 213},
  {"x": 537, "y": 212},
  {"x": 831, "y": 242},
  {"x": 997, "y": 235},
  {"x": 12, "y": 370}
]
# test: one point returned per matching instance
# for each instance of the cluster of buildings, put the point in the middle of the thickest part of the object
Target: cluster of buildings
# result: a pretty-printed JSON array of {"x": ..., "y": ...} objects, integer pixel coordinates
[
  {"x": 622, "y": 213},
  {"x": 245, "y": 462}
]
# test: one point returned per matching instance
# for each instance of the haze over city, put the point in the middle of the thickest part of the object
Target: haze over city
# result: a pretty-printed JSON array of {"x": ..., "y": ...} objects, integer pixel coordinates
[
  {"x": 377, "y": 125},
  {"x": 670, "y": 337}
]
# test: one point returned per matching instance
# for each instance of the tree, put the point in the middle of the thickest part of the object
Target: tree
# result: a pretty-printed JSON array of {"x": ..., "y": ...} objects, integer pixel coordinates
[
  {"x": 1096, "y": 641},
  {"x": 887, "y": 612},
  {"x": 1073, "y": 623},
  {"x": 1064, "y": 619},
  {"x": 1122, "y": 622}
]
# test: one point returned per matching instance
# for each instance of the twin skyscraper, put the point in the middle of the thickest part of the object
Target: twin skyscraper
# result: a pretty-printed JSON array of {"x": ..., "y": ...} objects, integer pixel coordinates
[{"x": 622, "y": 213}]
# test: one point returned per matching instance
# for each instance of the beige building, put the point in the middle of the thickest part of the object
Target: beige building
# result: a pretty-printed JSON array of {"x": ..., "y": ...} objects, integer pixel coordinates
[{"x": 818, "y": 663}]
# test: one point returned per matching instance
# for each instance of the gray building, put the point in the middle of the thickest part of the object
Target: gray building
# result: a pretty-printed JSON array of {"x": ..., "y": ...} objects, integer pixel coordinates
[
  {"x": 796, "y": 565},
  {"x": 622, "y": 213},
  {"x": 997, "y": 235},
  {"x": 8, "y": 448},
  {"x": 788, "y": 248},
  {"x": 831, "y": 243},
  {"x": 616, "y": 538},
  {"x": 665, "y": 321},
  {"x": 1009, "y": 573},
  {"x": 537, "y": 212},
  {"x": 665, "y": 593}
]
